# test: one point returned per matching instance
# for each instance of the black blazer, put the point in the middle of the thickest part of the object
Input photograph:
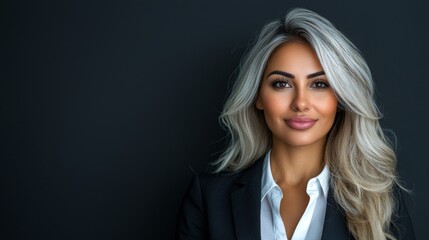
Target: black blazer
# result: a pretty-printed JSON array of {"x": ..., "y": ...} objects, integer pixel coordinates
[{"x": 227, "y": 206}]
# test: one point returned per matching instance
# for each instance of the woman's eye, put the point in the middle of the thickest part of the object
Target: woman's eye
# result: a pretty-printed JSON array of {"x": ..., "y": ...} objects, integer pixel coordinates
[
  {"x": 320, "y": 84},
  {"x": 281, "y": 84}
]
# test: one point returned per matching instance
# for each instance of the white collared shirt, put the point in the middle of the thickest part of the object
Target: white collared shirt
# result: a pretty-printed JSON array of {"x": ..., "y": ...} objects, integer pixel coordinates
[{"x": 310, "y": 226}]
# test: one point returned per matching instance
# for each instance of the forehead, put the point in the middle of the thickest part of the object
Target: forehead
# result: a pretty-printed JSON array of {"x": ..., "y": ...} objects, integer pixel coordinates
[{"x": 294, "y": 57}]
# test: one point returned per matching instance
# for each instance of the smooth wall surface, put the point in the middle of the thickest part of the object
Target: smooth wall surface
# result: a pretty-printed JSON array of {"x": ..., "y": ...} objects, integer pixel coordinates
[{"x": 108, "y": 107}]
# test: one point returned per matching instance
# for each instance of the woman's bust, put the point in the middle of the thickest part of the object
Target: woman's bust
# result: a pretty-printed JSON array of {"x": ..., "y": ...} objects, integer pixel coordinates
[{"x": 307, "y": 158}]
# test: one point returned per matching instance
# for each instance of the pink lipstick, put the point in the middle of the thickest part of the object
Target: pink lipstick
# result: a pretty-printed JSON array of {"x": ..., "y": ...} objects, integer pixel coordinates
[{"x": 300, "y": 123}]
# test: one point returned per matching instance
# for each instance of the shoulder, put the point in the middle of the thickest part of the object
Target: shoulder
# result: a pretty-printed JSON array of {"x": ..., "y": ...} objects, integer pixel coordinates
[
  {"x": 216, "y": 182},
  {"x": 211, "y": 179},
  {"x": 208, "y": 204},
  {"x": 225, "y": 182}
]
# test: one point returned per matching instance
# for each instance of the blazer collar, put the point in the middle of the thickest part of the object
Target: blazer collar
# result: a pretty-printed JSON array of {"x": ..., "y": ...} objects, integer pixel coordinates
[
  {"x": 335, "y": 226},
  {"x": 245, "y": 198}
]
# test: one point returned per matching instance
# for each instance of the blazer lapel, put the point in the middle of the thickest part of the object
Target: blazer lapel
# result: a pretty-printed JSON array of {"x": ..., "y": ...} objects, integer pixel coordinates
[
  {"x": 246, "y": 203},
  {"x": 335, "y": 227}
]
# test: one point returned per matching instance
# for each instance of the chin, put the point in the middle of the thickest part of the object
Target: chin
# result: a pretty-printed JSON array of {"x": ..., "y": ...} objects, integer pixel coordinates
[
  {"x": 301, "y": 141},
  {"x": 299, "y": 144}
]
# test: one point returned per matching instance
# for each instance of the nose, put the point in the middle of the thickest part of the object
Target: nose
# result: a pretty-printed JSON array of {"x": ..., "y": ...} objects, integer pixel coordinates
[{"x": 300, "y": 102}]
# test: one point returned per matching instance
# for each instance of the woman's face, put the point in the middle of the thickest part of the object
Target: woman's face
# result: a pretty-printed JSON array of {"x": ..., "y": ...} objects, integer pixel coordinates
[{"x": 298, "y": 103}]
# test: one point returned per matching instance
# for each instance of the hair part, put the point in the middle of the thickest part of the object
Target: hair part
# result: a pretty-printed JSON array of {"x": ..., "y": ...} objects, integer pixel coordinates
[{"x": 361, "y": 159}]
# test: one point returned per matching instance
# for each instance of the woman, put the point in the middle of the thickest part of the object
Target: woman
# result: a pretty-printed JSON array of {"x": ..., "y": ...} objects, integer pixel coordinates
[{"x": 307, "y": 158}]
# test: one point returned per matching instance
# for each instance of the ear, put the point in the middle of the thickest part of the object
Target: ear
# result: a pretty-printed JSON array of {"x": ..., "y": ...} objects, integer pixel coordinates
[{"x": 258, "y": 103}]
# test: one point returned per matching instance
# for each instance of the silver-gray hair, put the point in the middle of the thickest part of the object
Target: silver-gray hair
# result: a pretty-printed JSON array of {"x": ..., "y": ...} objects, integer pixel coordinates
[{"x": 360, "y": 157}]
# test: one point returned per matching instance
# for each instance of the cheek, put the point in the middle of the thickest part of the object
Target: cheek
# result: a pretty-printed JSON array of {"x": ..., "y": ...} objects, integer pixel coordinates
[
  {"x": 327, "y": 106},
  {"x": 275, "y": 105}
]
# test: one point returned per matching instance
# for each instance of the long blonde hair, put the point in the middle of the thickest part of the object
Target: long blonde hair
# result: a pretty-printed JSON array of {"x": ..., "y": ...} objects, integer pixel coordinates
[{"x": 361, "y": 159}]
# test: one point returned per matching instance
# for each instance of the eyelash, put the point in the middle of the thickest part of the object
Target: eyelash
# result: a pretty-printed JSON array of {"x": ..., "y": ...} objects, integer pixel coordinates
[
  {"x": 275, "y": 84},
  {"x": 320, "y": 81}
]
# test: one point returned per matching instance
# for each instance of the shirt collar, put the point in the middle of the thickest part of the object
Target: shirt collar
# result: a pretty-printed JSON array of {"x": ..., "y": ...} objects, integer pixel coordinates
[
  {"x": 323, "y": 178},
  {"x": 268, "y": 182},
  {"x": 267, "y": 179}
]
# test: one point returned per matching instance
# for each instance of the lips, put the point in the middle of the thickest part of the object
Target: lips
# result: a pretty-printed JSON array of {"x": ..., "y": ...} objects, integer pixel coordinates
[{"x": 300, "y": 123}]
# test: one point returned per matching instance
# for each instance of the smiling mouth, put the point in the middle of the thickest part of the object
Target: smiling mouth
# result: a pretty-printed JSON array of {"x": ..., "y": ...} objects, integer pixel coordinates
[{"x": 299, "y": 123}]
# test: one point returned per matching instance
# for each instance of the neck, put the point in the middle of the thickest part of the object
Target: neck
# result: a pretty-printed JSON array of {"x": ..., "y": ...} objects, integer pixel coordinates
[{"x": 294, "y": 166}]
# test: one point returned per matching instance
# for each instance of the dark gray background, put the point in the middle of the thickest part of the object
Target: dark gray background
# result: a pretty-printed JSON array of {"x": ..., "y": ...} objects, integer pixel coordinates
[{"x": 107, "y": 106}]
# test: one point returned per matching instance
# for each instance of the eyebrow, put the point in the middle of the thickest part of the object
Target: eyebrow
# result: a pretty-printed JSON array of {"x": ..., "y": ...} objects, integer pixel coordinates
[{"x": 289, "y": 75}]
